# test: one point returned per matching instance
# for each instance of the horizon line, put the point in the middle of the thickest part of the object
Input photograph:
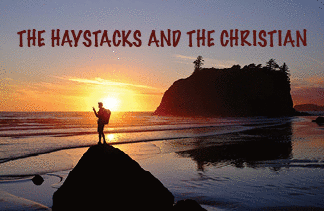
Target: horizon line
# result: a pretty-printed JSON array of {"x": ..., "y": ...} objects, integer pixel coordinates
[{"x": 75, "y": 111}]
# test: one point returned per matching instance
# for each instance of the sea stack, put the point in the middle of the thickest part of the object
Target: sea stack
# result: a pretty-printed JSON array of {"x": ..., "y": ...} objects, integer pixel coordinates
[
  {"x": 106, "y": 178},
  {"x": 249, "y": 91}
]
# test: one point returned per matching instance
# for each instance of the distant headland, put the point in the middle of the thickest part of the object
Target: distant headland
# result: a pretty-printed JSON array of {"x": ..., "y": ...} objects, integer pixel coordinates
[
  {"x": 309, "y": 107},
  {"x": 253, "y": 90}
]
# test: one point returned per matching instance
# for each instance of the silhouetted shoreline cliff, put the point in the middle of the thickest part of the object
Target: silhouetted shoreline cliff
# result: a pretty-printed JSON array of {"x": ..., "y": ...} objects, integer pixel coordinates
[{"x": 249, "y": 91}]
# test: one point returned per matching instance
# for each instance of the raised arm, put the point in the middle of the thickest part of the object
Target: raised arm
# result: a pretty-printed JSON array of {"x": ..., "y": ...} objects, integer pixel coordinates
[{"x": 95, "y": 112}]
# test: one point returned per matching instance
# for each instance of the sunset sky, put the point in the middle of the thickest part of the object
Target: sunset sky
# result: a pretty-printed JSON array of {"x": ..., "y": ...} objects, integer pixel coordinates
[{"x": 64, "y": 78}]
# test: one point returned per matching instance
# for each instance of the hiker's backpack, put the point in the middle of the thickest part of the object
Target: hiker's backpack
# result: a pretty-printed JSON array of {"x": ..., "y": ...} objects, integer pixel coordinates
[{"x": 106, "y": 116}]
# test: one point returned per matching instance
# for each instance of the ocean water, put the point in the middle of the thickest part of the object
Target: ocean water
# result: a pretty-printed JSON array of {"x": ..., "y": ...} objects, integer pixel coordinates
[
  {"x": 224, "y": 163},
  {"x": 27, "y": 134}
]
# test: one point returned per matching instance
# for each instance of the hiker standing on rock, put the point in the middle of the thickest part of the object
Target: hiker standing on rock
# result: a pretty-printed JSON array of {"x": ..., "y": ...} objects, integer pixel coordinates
[{"x": 103, "y": 119}]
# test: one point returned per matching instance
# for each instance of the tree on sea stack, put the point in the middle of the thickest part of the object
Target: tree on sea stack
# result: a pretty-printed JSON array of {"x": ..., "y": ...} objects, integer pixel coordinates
[
  {"x": 198, "y": 63},
  {"x": 272, "y": 64},
  {"x": 285, "y": 70}
]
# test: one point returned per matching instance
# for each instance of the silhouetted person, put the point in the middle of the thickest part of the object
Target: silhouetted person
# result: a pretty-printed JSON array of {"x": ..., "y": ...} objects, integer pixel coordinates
[{"x": 102, "y": 120}]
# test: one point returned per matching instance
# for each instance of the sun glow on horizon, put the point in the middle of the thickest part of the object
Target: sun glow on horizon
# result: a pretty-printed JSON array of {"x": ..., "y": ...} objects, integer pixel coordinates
[{"x": 111, "y": 103}]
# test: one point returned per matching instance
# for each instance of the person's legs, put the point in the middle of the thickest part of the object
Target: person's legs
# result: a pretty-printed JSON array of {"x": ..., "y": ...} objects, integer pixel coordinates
[
  {"x": 101, "y": 133},
  {"x": 103, "y": 136}
]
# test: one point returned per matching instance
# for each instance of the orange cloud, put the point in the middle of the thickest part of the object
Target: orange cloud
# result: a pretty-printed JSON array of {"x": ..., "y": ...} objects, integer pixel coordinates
[
  {"x": 317, "y": 81},
  {"x": 100, "y": 81},
  {"x": 308, "y": 95}
]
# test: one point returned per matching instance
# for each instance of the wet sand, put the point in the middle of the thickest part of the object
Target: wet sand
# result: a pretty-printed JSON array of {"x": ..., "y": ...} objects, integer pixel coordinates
[{"x": 219, "y": 175}]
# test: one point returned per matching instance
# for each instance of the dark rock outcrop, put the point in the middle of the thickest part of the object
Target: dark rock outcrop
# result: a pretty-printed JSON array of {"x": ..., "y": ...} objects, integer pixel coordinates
[
  {"x": 38, "y": 179},
  {"x": 229, "y": 92},
  {"x": 106, "y": 178},
  {"x": 319, "y": 120}
]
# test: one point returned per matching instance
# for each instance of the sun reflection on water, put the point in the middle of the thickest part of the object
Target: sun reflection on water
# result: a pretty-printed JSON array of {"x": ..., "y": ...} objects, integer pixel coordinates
[{"x": 111, "y": 137}]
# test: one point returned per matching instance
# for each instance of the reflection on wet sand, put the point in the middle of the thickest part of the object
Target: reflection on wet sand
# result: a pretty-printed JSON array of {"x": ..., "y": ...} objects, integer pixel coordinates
[{"x": 243, "y": 149}]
